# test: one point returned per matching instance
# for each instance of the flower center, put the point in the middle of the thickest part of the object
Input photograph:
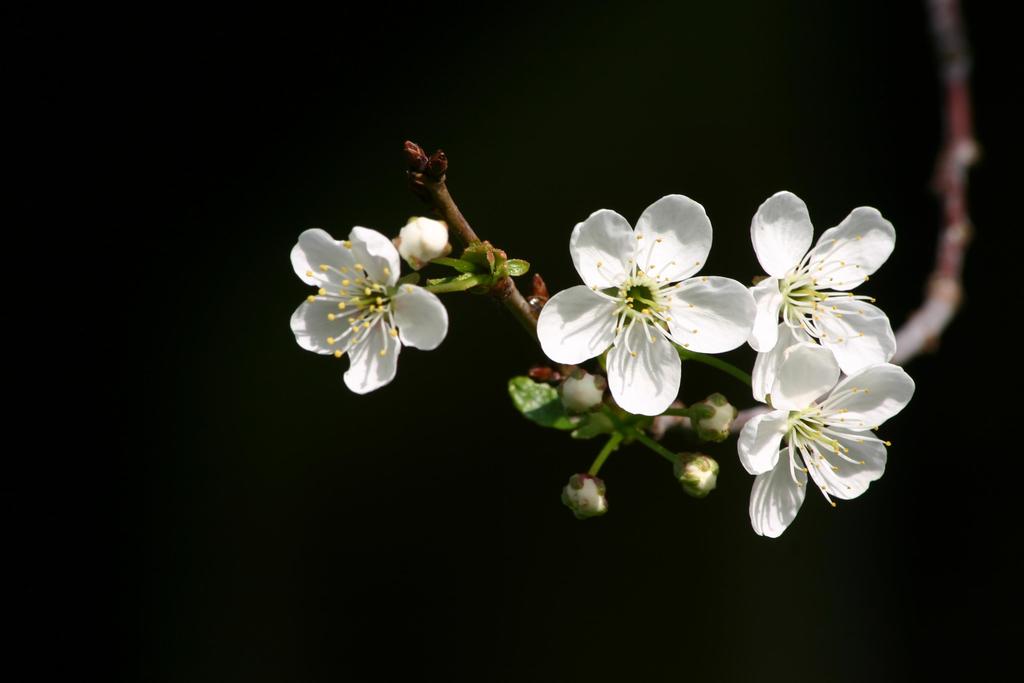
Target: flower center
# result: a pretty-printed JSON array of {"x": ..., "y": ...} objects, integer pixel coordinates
[
  {"x": 361, "y": 305},
  {"x": 805, "y": 305},
  {"x": 641, "y": 296}
]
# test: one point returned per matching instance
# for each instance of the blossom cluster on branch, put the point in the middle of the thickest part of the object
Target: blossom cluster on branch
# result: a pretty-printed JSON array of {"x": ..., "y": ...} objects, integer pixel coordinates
[{"x": 618, "y": 341}]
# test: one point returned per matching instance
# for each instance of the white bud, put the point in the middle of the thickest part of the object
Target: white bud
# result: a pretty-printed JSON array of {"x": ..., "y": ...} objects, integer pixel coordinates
[
  {"x": 421, "y": 240},
  {"x": 584, "y": 495},
  {"x": 698, "y": 473},
  {"x": 718, "y": 415},
  {"x": 580, "y": 394}
]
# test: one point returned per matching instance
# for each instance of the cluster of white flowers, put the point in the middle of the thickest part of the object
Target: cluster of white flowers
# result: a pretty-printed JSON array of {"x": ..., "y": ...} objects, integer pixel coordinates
[
  {"x": 640, "y": 308},
  {"x": 639, "y": 302}
]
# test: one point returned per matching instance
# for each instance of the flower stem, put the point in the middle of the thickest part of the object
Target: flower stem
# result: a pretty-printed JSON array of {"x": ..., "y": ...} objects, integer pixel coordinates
[
  {"x": 611, "y": 446},
  {"x": 678, "y": 412},
  {"x": 714, "y": 362},
  {"x": 654, "y": 445}
]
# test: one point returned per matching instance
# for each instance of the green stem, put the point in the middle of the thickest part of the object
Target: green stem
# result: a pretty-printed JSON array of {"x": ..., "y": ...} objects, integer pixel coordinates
[
  {"x": 678, "y": 412},
  {"x": 609, "y": 448},
  {"x": 654, "y": 445},
  {"x": 715, "y": 362}
]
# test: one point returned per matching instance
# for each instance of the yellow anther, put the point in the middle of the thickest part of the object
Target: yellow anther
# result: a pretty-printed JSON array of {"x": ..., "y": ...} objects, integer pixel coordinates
[
  {"x": 341, "y": 305},
  {"x": 639, "y": 237},
  {"x": 383, "y": 352},
  {"x": 331, "y": 316},
  {"x": 646, "y": 311},
  {"x": 393, "y": 332},
  {"x": 380, "y": 300},
  {"x": 600, "y": 263},
  {"x": 887, "y": 443},
  {"x": 366, "y": 325},
  {"x": 321, "y": 291},
  {"x": 339, "y": 353},
  {"x": 309, "y": 273},
  {"x": 330, "y": 341},
  {"x": 387, "y": 271},
  {"x": 310, "y": 298},
  {"x": 359, "y": 266},
  {"x": 633, "y": 353},
  {"x": 346, "y": 282},
  {"x": 324, "y": 267},
  {"x": 367, "y": 291}
]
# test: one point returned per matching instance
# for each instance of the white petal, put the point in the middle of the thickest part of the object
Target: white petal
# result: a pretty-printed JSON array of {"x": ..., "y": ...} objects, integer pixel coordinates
[
  {"x": 775, "y": 498},
  {"x": 420, "y": 316},
  {"x": 369, "y": 369},
  {"x": 673, "y": 238},
  {"x": 881, "y": 391},
  {"x": 312, "y": 327},
  {"x": 576, "y": 324},
  {"x": 759, "y": 441},
  {"x": 768, "y": 300},
  {"x": 601, "y": 249},
  {"x": 806, "y": 372},
  {"x": 766, "y": 365},
  {"x": 861, "y": 337},
  {"x": 647, "y": 383},
  {"x": 781, "y": 232},
  {"x": 711, "y": 314},
  {"x": 846, "y": 254},
  {"x": 316, "y": 248},
  {"x": 376, "y": 254},
  {"x": 842, "y": 479}
]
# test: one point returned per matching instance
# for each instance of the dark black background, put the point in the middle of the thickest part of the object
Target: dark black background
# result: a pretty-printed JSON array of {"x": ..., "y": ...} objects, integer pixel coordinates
[{"x": 276, "y": 527}]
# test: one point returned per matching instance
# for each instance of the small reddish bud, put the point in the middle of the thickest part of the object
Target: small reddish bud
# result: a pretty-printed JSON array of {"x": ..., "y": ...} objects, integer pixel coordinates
[
  {"x": 543, "y": 373},
  {"x": 415, "y": 156},
  {"x": 437, "y": 165}
]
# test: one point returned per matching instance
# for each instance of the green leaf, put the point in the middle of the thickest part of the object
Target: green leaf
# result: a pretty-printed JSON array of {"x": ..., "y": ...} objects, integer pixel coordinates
[
  {"x": 456, "y": 263},
  {"x": 517, "y": 267},
  {"x": 457, "y": 283},
  {"x": 539, "y": 403},
  {"x": 593, "y": 424}
]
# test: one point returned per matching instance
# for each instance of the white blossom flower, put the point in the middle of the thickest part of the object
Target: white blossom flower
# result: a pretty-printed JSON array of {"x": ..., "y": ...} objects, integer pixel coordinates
[
  {"x": 639, "y": 298},
  {"x": 810, "y": 288},
  {"x": 827, "y": 430},
  {"x": 359, "y": 308}
]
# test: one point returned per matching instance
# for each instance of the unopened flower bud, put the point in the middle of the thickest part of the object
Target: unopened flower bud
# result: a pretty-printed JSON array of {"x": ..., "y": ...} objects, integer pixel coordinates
[
  {"x": 714, "y": 418},
  {"x": 437, "y": 166},
  {"x": 583, "y": 392},
  {"x": 698, "y": 473},
  {"x": 421, "y": 240},
  {"x": 584, "y": 495}
]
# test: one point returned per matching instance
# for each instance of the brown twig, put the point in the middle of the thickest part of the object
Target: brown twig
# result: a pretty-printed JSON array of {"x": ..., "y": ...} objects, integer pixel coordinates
[
  {"x": 427, "y": 178},
  {"x": 944, "y": 291}
]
